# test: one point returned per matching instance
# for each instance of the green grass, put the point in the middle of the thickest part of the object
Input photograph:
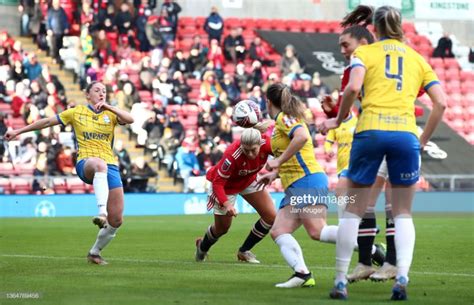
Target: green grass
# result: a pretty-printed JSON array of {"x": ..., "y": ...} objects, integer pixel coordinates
[{"x": 151, "y": 261}]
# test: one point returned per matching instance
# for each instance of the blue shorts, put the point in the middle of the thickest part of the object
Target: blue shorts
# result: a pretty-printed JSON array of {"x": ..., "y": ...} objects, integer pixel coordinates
[
  {"x": 402, "y": 152},
  {"x": 308, "y": 190},
  {"x": 113, "y": 174},
  {"x": 343, "y": 173}
]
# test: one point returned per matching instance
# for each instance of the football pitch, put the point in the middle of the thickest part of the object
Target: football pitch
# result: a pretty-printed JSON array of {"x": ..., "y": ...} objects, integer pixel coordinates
[{"x": 151, "y": 261}]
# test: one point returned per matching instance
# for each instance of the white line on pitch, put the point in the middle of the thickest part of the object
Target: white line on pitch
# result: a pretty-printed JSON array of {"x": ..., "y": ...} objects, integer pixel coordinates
[{"x": 156, "y": 261}]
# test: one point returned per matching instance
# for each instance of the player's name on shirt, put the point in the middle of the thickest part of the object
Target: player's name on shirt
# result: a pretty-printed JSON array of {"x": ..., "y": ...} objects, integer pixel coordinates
[{"x": 95, "y": 136}]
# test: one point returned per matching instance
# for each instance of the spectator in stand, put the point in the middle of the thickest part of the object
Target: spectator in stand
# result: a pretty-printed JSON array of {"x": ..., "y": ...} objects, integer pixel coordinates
[
  {"x": 257, "y": 75},
  {"x": 165, "y": 86},
  {"x": 41, "y": 167},
  {"x": 32, "y": 66},
  {"x": 319, "y": 88},
  {"x": 127, "y": 96},
  {"x": 20, "y": 97},
  {"x": 166, "y": 28},
  {"x": 206, "y": 158},
  {"x": 140, "y": 173},
  {"x": 170, "y": 145},
  {"x": 3, "y": 129},
  {"x": 196, "y": 62},
  {"x": 241, "y": 78},
  {"x": 306, "y": 91},
  {"x": 26, "y": 8},
  {"x": 17, "y": 52},
  {"x": 216, "y": 56},
  {"x": 208, "y": 120},
  {"x": 86, "y": 15},
  {"x": 179, "y": 63},
  {"x": 103, "y": 47},
  {"x": 64, "y": 161},
  {"x": 471, "y": 55},
  {"x": 123, "y": 158},
  {"x": 291, "y": 64},
  {"x": 173, "y": 9},
  {"x": 18, "y": 71},
  {"x": 53, "y": 107},
  {"x": 153, "y": 34},
  {"x": 257, "y": 96},
  {"x": 140, "y": 23},
  {"x": 225, "y": 126},
  {"x": 37, "y": 96},
  {"x": 214, "y": 25},
  {"x": 210, "y": 87},
  {"x": 229, "y": 86},
  {"x": 177, "y": 129},
  {"x": 124, "y": 50},
  {"x": 271, "y": 79},
  {"x": 45, "y": 78},
  {"x": 220, "y": 104},
  {"x": 57, "y": 26},
  {"x": 27, "y": 153},
  {"x": 444, "y": 49},
  {"x": 154, "y": 129},
  {"x": 36, "y": 21},
  {"x": 123, "y": 19},
  {"x": 234, "y": 46},
  {"x": 188, "y": 164},
  {"x": 180, "y": 88},
  {"x": 258, "y": 52},
  {"x": 197, "y": 44}
]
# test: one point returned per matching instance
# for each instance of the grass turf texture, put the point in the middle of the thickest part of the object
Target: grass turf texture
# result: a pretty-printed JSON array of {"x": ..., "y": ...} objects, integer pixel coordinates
[{"x": 151, "y": 261}]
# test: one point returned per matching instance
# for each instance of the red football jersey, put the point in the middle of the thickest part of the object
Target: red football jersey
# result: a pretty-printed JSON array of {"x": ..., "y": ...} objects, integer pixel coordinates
[{"x": 235, "y": 172}]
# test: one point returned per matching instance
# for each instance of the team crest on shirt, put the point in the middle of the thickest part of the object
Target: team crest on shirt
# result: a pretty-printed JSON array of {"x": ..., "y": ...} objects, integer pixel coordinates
[
  {"x": 226, "y": 165},
  {"x": 245, "y": 163},
  {"x": 106, "y": 119}
]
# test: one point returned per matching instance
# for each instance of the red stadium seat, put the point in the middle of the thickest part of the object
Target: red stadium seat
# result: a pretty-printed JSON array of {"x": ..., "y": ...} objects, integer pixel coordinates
[
  {"x": 24, "y": 169},
  {"x": 450, "y": 63},
  {"x": 5, "y": 108},
  {"x": 436, "y": 62},
  {"x": 452, "y": 74},
  {"x": 190, "y": 110},
  {"x": 279, "y": 24},
  {"x": 248, "y": 24},
  {"x": 7, "y": 169},
  {"x": 20, "y": 186},
  {"x": 467, "y": 87},
  {"x": 75, "y": 185},
  {"x": 466, "y": 75},
  {"x": 59, "y": 186},
  {"x": 263, "y": 24},
  {"x": 5, "y": 186},
  {"x": 171, "y": 108}
]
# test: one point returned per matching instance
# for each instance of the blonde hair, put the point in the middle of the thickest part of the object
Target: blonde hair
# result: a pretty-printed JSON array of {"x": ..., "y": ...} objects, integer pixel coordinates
[{"x": 250, "y": 136}]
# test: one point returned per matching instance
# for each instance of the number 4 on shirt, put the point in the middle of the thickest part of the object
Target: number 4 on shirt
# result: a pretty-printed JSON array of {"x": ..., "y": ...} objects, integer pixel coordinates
[{"x": 399, "y": 76}]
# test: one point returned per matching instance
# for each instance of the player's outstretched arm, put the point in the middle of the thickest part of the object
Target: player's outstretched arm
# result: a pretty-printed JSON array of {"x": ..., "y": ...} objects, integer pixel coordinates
[{"x": 43, "y": 123}]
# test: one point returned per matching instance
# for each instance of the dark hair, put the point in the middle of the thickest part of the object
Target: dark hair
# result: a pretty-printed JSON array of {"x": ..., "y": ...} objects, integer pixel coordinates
[
  {"x": 386, "y": 19},
  {"x": 359, "y": 32},
  {"x": 280, "y": 96},
  {"x": 91, "y": 84}
]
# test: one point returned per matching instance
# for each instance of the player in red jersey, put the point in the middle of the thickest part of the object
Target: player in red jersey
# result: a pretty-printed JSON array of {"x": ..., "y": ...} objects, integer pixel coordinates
[{"x": 236, "y": 174}]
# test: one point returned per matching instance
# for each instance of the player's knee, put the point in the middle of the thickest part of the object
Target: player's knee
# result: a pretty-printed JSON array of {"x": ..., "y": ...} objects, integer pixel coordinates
[
  {"x": 274, "y": 233},
  {"x": 315, "y": 234},
  {"x": 99, "y": 165},
  {"x": 115, "y": 221},
  {"x": 219, "y": 231}
]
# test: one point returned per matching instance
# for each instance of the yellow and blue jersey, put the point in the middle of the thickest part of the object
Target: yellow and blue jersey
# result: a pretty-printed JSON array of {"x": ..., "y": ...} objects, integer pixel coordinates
[
  {"x": 94, "y": 131},
  {"x": 394, "y": 75},
  {"x": 343, "y": 135},
  {"x": 303, "y": 163}
]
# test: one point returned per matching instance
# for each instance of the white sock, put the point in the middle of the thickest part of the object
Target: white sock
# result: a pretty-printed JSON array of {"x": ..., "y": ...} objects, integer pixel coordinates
[
  {"x": 101, "y": 190},
  {"x": 328, "y": 234},
  {"x": 346, "y": 240},
  {"x": 292, "y": 253},
  {"x": 404, "y": 243},
  {"x": 103, "y": 238}
]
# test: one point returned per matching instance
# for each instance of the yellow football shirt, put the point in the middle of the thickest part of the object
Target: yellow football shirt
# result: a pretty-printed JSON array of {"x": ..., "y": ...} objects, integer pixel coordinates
[
  {"x": 94, "y": 131},
  {"x": 304, "y": 162},
  {"x": 343, "y": 135},
  {"x": 394, "y": 75}
]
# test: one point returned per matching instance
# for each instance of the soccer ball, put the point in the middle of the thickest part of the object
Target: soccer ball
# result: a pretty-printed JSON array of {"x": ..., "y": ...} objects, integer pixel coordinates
[{"x": 246, "y": 114}]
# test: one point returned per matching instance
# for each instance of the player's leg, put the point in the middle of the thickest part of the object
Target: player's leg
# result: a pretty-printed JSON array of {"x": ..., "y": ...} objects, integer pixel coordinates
[
  {"x": 388, "y": 270},
  {"x": 94, "y": 171},
  {"x": 366, "y": 156},
  {"x": 286, "y": 222},
  {"x": 221, "y": 225},
  {"x": 115, "y": 206},
  {"x": 403, "y": 162},
  {"x": 263, "y": 204}
]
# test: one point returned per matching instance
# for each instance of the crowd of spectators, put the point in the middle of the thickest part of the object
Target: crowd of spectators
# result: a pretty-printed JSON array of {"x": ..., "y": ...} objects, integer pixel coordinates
[{"x": 180, "y": 85}]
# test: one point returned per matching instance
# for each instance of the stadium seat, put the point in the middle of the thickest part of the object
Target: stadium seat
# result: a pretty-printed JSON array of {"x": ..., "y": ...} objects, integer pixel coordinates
[
  {"x": 24, "y": 169},
  {"x": 20, "y": 186},
  {"x": 6, "y": 169},
  {"x": 75, "y": 185},
  {"x": 190, "y": 110},
  {"x": 451, "y": 74},
  {"x": 467, "y": 87},
  {"x": 466, "y": 75},
  {"x": 450, "y": 63},
  {"x": 436, "y": 62},
  {"x": 5, "y": 108},
  {"x": 248, "y": 24},
  {"x": 5, "y": 186},
  {"x": 59, "y": 186},
  {"x": 263, "y": 24}
]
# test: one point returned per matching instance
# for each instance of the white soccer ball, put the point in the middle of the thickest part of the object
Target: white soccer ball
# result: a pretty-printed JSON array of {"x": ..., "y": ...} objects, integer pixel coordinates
[{"x": 246, "y": 114}]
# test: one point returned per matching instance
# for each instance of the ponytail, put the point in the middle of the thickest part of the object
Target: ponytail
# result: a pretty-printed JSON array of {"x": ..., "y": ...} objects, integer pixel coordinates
[
  {"x": 362, "y": 15},
  {"x": 280, "y": 96}
]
